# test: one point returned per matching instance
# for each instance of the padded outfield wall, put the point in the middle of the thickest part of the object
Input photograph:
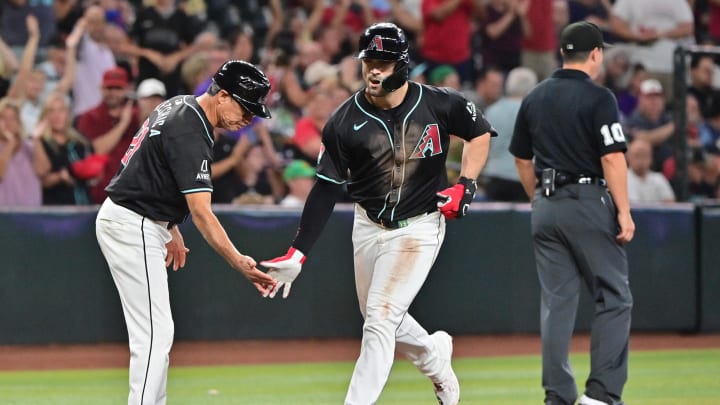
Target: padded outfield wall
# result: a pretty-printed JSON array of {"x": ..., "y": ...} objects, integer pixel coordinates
[{"x": 55, "y": 286}]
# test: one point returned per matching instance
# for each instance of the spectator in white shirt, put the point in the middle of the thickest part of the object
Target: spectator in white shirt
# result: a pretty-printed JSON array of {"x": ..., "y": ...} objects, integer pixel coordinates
[{"x": 645, "y": 185}]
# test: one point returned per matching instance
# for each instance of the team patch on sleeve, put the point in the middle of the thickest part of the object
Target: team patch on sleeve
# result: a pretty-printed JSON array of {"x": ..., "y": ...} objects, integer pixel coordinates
[
  {"x": 204, "y": 174},
  {"x": 470, "y": 107}
]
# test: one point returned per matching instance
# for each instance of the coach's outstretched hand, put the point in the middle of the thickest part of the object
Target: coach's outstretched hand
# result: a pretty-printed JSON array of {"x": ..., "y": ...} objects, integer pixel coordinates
[
  {"x": 284, "y": 269},
  {"x": 454, "y": 201},
  {"x": 246, "y": 266}
]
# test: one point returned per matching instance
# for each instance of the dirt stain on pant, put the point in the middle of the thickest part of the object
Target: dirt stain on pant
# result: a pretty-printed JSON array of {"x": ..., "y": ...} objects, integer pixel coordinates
[{"x": 404, "y": 265}]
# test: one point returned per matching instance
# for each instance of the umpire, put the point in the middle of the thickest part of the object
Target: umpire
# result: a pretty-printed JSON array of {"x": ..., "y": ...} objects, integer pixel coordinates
[{"x": 580, "y": 217}]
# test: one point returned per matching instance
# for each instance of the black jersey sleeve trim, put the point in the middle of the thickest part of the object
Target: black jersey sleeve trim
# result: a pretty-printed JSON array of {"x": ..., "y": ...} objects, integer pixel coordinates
[{"x": 318, "y": 207}]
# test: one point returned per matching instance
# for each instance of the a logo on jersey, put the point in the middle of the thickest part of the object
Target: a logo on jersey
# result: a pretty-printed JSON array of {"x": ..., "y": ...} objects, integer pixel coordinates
[
  {"x": 135, "y": 143},
  {"x": 356, "y": 127},
  {"x": 429, "y": 142},
  {"x": 376, "y": 43},
  {"x": 204, "y": 174},
  {"x": 470, "y": 107}
]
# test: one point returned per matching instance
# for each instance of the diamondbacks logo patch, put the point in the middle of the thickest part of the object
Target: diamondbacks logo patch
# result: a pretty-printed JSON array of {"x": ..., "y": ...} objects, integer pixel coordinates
[
  {"x": 429, "y": 143},
  {"x": 376, "y": 44}
]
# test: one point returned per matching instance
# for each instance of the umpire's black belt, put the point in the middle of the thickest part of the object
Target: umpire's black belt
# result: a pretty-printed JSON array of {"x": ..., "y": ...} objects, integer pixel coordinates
[{"x": 563, "y": 179}]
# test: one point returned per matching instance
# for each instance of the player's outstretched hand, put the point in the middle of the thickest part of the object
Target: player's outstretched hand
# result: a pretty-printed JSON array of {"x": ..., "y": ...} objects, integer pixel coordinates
[
  {"x": 284, "y": 269},
  {"x": 454, "y": 201},
  {"x": 246, "y": 266}
]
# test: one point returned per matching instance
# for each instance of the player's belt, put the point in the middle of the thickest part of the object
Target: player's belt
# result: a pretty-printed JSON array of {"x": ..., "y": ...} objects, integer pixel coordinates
[{"x": 400, "y": 223}]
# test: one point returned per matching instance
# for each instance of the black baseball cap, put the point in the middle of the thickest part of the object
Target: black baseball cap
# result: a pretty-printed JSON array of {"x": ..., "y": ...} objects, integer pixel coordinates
[{"x": 581, "y": 36}]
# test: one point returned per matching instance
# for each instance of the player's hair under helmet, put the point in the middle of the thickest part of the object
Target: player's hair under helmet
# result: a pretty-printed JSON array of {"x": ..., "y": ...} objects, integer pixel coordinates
[
  {"x": 386, "y": 41},
  {"x": 246, "y": 84}
]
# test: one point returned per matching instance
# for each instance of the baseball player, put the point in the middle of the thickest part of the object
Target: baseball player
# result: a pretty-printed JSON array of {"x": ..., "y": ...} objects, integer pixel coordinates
[
  {"x": 571, "y": 127},
  {"x": 388, "y": 143},
  {"x": 163, "y": 177}
]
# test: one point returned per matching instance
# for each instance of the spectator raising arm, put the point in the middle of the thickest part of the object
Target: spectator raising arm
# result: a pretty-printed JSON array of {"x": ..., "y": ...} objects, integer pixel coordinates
[
  {"x": 655, "y": 136},
  {"x": 445, "y": 9},
  {"x": 223, "y": 166},
  {"x": 404, "y": 18},
  {"x": 9, "y": 61},
  {"x": 107, "y": 141},
  {"x": 71, "y": 44},
  {"x": 17, "y": 90}
]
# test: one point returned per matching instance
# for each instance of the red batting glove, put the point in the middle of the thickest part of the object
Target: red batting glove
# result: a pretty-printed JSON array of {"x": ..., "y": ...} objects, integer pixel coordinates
[
  {"x": 449, "y": 200},
  {"x": 454, "y": 201},
  {"x": 284, "y": 269}
]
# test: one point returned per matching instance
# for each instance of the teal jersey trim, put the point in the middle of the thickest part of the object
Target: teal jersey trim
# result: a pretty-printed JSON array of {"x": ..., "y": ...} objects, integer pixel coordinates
[{"x": 207, "y": 132}]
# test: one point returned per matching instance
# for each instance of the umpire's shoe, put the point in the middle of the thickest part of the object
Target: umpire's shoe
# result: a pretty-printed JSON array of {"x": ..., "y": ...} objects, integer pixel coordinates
[
  {"x": 586, "y": 400},
  {"x": 447, "y": 387}
]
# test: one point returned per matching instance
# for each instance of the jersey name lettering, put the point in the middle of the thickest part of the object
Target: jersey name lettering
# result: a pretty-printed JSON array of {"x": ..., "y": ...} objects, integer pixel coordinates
[
  {"x": 429, "y": 142},
  {"x": 163, "y": 111},
  {"x": 135, "y": 143}
]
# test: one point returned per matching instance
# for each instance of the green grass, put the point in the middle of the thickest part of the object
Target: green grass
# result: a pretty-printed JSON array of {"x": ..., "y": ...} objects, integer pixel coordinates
[{"x": 656, "y": 378}]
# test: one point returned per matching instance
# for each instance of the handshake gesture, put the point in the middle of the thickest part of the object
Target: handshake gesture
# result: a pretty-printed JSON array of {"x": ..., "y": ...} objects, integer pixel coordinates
[
  {"x": 284, "y": 269},
  {"x": 454, "y": 201}
]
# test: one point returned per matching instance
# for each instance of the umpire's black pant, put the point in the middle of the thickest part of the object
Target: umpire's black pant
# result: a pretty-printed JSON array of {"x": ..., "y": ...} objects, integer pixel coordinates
[{"x": 574, "y": 236}]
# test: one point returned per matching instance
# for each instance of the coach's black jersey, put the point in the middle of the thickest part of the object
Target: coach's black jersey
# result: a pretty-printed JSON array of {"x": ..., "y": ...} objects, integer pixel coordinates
[
  {"x": 394, "y": 160},
  {"x": 545, "y": 130},
  {"x": 169, "y": 157}
]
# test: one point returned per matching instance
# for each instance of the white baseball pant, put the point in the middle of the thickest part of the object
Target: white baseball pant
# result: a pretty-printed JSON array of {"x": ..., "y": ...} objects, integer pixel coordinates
[
  {"x": 390, "y": 268},
  {"x": 134, "y": 247}
]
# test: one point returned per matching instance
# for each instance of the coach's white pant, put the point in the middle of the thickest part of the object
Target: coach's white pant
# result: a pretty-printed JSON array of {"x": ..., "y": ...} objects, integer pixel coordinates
[
  {"x": 390, "y": 268},
  {"x": 134, "y": 248}
]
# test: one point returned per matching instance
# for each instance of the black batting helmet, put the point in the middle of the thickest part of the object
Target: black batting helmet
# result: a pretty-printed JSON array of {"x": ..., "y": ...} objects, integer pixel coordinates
[
  {"x": 246, "y": 84},
  {"x": 386, "y": 41}
]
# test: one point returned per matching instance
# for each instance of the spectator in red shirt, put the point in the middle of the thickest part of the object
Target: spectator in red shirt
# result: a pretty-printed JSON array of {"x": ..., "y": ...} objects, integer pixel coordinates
[
  {"x": 308, "y": 129},
  {"x": 539, "y": 48},
  {"x": 504, "y": 27},
  {"x": 110, "y": 126},
  {"x": 714, "y": 21},
  {"x": 446, "y": 39}
]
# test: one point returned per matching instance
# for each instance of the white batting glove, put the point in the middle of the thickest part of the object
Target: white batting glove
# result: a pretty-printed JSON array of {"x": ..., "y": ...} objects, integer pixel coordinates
[{"x": 284, "y": 269}]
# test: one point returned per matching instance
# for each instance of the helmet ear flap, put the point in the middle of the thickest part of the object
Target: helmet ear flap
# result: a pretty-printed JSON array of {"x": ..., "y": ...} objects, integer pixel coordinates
[{"x": 398, "y": 78}]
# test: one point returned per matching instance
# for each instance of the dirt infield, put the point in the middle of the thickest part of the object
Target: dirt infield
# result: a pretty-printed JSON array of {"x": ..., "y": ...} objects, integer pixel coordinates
[{"x": 115, "y": 355}]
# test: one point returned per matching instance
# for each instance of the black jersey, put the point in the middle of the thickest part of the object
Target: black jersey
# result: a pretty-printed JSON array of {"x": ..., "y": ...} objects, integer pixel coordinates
[
  {"x": 567, "y": 123},
  {"x": 170, "y": 156},
  {"x": 394, "y": 160}
]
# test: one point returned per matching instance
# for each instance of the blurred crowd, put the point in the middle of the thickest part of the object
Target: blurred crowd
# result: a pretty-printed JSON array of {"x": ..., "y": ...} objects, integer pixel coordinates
[{"x": 78, "y": 78}]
